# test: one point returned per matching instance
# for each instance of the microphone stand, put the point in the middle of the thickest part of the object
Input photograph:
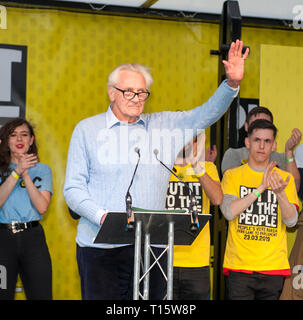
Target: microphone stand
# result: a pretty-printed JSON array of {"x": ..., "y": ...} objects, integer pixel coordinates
[
  {"x": 193, "y": 201},
  {"x": 128, "y": 198}
]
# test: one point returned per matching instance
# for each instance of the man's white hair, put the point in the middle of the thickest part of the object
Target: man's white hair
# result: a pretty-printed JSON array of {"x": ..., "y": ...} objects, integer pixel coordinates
[{"x": 144, "y": 70}]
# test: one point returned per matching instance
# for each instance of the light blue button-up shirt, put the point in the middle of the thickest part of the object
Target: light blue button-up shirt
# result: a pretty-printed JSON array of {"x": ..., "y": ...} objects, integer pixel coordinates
[
  {"x": 102, "y": 158},
  {"x": 18, "y": 206}
]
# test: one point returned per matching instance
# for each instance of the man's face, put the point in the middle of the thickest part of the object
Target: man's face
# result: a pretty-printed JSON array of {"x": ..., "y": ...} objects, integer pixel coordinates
[
  {"x": 260, "y": 144},
  {"x": 127, "y": 110}
]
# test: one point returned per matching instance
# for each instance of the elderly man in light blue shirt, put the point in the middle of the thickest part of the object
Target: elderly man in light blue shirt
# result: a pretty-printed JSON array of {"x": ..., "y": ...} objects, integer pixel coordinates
[{"x": 102, "y": 158}]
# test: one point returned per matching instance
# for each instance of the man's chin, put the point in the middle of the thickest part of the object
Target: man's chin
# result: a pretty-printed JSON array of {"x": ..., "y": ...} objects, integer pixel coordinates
[{"x": 135, "y": 114}]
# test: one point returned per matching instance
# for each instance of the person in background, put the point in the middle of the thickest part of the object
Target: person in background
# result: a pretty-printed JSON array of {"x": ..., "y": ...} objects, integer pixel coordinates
[
  {"x": 298, "y": 155},
  {"x": 260, "y": 201},
  {"x": 191, "y": 262},
  {"x": 211, "y": 153},
  {"x": 25, "y": 194},
  {"x": 285, "y": 161}
]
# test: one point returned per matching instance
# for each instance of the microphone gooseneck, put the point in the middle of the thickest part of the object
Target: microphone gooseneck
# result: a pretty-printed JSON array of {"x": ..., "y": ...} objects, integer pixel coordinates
[
  {"x": 156, "y": 154},
  {"x": 128, "y": 197}
]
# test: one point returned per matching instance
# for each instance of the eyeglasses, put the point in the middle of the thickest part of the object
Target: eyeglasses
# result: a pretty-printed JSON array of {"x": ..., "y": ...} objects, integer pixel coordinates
[{"x": 129, "y": 95}]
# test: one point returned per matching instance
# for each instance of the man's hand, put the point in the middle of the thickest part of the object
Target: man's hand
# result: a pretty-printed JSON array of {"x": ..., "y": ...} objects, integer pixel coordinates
[
  {"x": 103, "y": 218},
  {"x": 276, "y": 182},
  {"x": 195, "y": 151},
  {"x": 293, "y": 140},
  {"x": 234, "y": 67},
  {"x": 266, "y": 177}
]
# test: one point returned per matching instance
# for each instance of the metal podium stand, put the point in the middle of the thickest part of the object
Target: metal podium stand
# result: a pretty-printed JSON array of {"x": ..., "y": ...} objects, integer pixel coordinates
[{"x": 167, "y": 227}]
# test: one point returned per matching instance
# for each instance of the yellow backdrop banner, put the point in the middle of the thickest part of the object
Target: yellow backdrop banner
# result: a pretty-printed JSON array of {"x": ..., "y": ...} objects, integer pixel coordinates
[{"x": 281, "y": 79}]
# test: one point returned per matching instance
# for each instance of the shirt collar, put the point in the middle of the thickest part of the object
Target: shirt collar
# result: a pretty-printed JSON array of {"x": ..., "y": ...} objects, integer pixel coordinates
[{"x": 112, "y": 120}]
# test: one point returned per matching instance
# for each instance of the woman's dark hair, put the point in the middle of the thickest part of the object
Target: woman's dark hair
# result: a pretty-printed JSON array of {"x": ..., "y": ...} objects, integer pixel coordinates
[{"x": 5, "y": 131}]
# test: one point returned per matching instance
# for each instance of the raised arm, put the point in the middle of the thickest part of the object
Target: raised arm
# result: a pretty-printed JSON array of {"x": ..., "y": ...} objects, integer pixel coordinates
[
  {"x": 196, "y": 157},
  {"x": 212, "y": 110}
]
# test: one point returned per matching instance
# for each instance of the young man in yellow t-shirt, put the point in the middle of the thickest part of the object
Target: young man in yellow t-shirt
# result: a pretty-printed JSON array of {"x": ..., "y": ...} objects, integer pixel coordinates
[
  {"x": 191, "y": 263},
  {"x": 260, "y": 200}
]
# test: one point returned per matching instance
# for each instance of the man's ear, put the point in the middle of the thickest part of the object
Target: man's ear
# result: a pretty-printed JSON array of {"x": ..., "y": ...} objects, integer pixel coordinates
[
  {"x": 274, "y": 146},
  {"x": 111, "y": 93},
  {"x": 247, "y": 144},
  {"x": 246, "y": 126}
]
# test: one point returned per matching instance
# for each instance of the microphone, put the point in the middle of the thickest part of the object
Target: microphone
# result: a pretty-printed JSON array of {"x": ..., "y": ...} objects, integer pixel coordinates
[
  {"x": 193, "y": 201},
  {"x": 128, "y": 197}
]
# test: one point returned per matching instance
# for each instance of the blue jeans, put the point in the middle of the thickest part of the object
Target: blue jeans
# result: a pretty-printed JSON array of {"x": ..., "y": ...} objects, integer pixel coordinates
[{"x": 107, "y": 274}]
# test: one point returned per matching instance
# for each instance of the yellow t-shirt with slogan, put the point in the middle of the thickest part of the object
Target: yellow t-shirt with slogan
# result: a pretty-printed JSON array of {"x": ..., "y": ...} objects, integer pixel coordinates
[
  {"x": 198, "y": 253},
  {"x": 257, "y": 239}
]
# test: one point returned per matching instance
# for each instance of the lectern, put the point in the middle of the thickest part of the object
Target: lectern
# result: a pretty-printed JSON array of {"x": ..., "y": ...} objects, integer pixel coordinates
[{"x": 166, "y": 228}]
